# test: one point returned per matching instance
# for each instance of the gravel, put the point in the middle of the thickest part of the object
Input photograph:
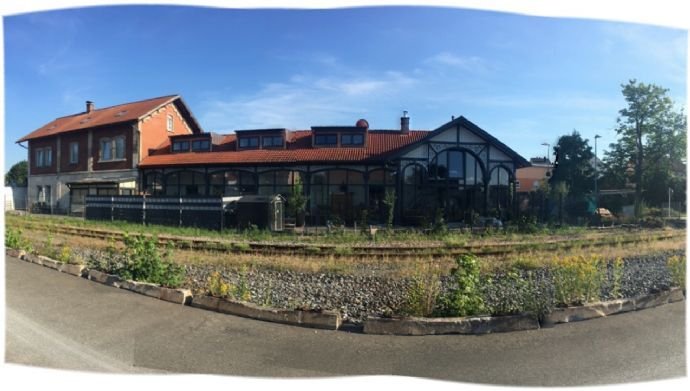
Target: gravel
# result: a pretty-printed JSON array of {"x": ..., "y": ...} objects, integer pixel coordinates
[{"x": 358, "y": 296}]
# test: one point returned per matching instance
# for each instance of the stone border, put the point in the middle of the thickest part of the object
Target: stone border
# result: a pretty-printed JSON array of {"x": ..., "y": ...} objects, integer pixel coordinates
[
  {"x": 332, "y": 320},
  {"x": 498, "y": 324}
]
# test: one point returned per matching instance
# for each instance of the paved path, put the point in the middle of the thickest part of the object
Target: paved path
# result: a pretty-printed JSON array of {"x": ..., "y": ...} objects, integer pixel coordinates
[{"x": 59, "y": 321}]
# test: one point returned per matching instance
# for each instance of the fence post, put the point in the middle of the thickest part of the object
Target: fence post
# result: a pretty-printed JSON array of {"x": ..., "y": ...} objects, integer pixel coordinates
[
  {"x": 143, "y": 209},
  {"x": 179, "y": 222},
  {"x": 112, "y": 208}
]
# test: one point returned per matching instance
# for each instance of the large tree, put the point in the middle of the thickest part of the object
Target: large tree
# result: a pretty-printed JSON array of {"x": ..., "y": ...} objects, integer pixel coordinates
[
  {"x": 648, "y": 121},
  {"x": 650, "y": 151},
  {"x": 17, "y": 175}
]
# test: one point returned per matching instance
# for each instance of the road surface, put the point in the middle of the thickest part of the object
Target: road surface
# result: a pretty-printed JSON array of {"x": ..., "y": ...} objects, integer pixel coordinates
[{"x": 55, "y": 320}]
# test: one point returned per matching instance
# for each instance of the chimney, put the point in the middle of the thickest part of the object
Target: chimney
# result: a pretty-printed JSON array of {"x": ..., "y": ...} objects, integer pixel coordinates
[
  {"x": 404, "y": 123},
  {"x": 89, "y": 106}
]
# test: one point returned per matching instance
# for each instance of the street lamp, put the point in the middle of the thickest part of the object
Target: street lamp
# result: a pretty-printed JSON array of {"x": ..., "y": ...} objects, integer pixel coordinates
[
  {"x": 548, "y": 146},
  {"x": 596, "y": 175},
  {"x": 670, "y": 191}
]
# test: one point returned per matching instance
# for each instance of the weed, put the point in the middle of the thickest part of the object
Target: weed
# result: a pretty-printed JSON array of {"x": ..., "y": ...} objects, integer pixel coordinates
[
  {"x": 15, "y": 240},
  {"x": 677, "y": 265},
  {"x": 241, "y": 290},
  {"x": 241, "y": 246},
  {"x": 144, "y": 261},
  {"x": 422, "y": 293},
  {"x": 389, "y": 202},
  {"x": 216, "y": 286},
  {"x": 616, "y": 277},
  {"x": 577, "y": 279},
  {"x": 465, "y": 297},
  {"x": 65, "y": 254}
]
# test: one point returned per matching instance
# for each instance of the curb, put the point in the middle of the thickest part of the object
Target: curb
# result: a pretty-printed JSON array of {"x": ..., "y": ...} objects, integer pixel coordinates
[
  {"x": 330, "y": 320},
  {"x": 460, "y": 325}
]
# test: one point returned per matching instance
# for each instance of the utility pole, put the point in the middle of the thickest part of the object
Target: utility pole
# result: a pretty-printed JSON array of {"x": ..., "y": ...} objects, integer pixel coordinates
[
  {"x": 596, "y": 176},
  {"x": 548, "y": 146}
]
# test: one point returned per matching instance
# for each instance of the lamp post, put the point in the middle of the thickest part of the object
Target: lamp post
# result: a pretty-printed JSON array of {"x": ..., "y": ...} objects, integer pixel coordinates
[
  {"x": 596, "y": 175},
  {"x": 670, "y": 191},
  {"x": 548, "y": 146}
]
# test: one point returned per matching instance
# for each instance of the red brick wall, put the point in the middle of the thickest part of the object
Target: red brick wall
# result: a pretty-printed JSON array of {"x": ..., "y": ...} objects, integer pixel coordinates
[
  {"x": 111, "y": 132},
  {"x": 42, "y": 143},
  {"x": 65, "y": 140},
  {"x": 154, "y": 128}
]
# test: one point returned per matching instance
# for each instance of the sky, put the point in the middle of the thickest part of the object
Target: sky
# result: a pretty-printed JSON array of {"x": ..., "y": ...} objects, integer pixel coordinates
[{"x": 525, "y": 79}]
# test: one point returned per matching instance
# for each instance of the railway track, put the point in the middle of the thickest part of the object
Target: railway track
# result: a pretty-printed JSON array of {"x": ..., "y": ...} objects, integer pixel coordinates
[{"x": 303, "y": 249}]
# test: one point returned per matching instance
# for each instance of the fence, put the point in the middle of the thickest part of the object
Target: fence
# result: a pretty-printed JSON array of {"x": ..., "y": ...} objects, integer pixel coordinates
[{"x": 203, "y": 212}]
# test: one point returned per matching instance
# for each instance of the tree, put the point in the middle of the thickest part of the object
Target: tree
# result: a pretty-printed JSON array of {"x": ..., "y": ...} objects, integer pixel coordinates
[
  {"x": 574, "y": 167},
  {"x": 297, "y": 202},
  {"x": 17, "y": 175},
  {"x": 649, "y": 112}
]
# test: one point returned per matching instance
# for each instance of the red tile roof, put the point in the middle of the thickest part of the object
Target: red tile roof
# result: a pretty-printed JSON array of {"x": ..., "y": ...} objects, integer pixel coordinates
[
  {"x": 98, "y": 117},
  {"x": 298, "y": 150}
]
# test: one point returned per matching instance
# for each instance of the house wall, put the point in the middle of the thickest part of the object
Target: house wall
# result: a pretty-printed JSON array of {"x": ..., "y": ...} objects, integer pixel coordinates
[
  {"x": 153, "y": 128},
  {"x": 65, "y": 141}
]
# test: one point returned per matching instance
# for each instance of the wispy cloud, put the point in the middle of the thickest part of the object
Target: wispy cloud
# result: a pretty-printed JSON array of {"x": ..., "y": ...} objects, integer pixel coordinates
[
  {"x": 305, "y": 100},
  {"x": 468, "y": 63}
]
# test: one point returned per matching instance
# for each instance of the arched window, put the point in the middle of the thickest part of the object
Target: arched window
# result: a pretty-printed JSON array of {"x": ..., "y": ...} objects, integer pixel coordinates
[
  {"x": 457, "y": 177},
  {"x": 232, "y": 183},
  {"x": 153, "y": 184},
  {"x": 414, "y": 177},
  {"x": 337, "y": 194},
  {"x": 499, "y": 191},
  {"x": 185, "y": 183}
]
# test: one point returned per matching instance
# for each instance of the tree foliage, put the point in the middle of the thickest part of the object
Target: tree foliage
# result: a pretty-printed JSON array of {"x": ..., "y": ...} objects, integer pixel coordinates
[
  {"x": 574, "y": 167},
  {"x": 17, "y": 175},
  {"x": 651, "y": 145}
]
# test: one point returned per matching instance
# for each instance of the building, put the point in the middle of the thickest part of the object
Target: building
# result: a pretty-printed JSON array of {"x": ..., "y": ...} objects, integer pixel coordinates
[
  {"x": 344, "y": 170},
  {"x": 98, "y": 151},
  {"x": 531, "y": 177}
]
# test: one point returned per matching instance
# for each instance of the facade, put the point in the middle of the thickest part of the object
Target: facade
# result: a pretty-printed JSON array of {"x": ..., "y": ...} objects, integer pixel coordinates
[
  {"x": 98, "y": 151},
  {"x": 530, "y": 178},
  {"x": 345, "y": 171}
]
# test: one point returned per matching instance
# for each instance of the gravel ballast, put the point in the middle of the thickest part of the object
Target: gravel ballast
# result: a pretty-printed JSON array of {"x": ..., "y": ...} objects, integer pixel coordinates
[{"x": 357, "y": 297}]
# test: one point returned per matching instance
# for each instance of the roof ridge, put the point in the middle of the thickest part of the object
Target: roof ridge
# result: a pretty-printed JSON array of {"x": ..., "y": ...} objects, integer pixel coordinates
[{"x": 121, "y": 104}]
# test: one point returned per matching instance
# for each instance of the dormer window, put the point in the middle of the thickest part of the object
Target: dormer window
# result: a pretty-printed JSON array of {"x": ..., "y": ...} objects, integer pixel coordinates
[
  {"x": 352, "y": 139},
  {"x": 180, "y": 146},
  {"x": 201, "y": 145},
  {"x": 249, "y": 142},
  {"x": 271, "y": 141},
  {"x": 326, "y": 139}
]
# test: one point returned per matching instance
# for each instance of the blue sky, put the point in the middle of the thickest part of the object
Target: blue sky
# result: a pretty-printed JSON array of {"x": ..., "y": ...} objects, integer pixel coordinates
[{"x": 524, "y": 79}]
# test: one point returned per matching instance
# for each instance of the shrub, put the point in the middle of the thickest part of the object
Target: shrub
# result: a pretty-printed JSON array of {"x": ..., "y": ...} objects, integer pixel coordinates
[
  {"x": 65, "y": 254},
  {"x": 616, "y": 277},
  {"x": 241, "y": 290},
  {"x": 439, "y": 225},
  {"x": 677, "y": 265},
  {"x": 422, "y": 293},
  {"x": 144, "y": 261},
  {"x": 464, "y": 297},
  {"x": 506, "y": 293},
  {"x": 389, "y": 202},
  {"x": 15, "y": 240},
  {"x": 577, "y": 279},
  {"x": 217, "y": 286}
]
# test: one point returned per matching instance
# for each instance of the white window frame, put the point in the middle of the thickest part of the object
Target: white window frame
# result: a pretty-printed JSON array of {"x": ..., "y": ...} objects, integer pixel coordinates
[{"x": 170, "y": 124}]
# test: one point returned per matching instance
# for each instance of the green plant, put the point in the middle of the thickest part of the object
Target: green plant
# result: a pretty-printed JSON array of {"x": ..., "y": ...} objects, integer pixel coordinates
[
  {"x": 422, "y": 293},
  {"x": 464, "y": 298},
  {"x": 677, "y": 265},
  {"x": 144, "y": 261},
  {"x": 389, "y": 202},
  {"x": 241, "y": 290},
  {"x": 15, "y": 240},
  {"x": 439, "y": 225},
  {"x": 216, "y": 286},
  {"x": 577, "y": 279},
  {"x": 65, "y": 254},
  {"x": 241, "y": 246},
  {"x": 297, "y": 204},
  {"x": 616, "y": 277}
]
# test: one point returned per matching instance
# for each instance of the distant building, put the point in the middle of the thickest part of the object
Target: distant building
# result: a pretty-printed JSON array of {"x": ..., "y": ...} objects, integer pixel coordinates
[{"x": 530, "y": 178}]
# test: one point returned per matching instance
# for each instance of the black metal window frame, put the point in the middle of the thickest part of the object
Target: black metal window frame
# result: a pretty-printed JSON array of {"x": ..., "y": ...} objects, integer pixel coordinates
[
  {"x": 271, "y": 141},
  {"x": 201, "y": 145},
  {"x": 330, "y": 139},
  {"x": 351, "y": 139},
  {"x": 180, "y": 146},
  {"x": 249, "y": 142}
]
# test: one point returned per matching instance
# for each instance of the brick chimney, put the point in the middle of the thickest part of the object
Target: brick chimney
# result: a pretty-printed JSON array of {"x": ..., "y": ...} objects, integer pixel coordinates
[
  {"x": 89, "y": 106},
  {"x": 404, "y": 123}
]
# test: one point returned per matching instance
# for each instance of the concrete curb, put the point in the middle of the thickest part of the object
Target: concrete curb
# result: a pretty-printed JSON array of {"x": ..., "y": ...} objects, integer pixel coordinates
[
  {"x": 75, "y": 270},
  {"x": 460, "y": 325},
  {"x": 330, "y": 320}
]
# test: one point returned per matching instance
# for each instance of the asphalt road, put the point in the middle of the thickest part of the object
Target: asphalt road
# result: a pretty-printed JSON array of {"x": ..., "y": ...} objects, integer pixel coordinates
[{"x": 56, "y": 320}]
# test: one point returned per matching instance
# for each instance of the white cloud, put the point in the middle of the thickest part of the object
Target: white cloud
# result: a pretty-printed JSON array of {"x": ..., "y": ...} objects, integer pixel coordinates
[
  {"x": 469, "y": 63},
  {"x": 303, "y": 101}
]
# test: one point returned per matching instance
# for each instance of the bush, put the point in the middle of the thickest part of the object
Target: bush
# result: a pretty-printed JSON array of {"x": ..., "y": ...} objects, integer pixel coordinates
[
  {"x": 506, "y": 292},
  {"x": 144, "y": 261},
  {"x": 677, "y": 265},
  {"x": 422, "y": 293},
  {"x": 15, "y": 240},
  {"x": 577, "y": 279},
  {"x": 65, "y": 255},
  {"x": 464, "y": 297}
]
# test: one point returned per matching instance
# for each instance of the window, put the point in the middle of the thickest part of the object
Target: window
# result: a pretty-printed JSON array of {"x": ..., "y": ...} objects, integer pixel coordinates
[
  {"x": 44, "y": 157},
  {"x": 112, "y": 149},
  {"x": 272, "y": 141},
  {"x": 352, "y": 139},
  {"x": 74, "y": 153},
  {"x": 201, "y": 145},
  {"x": 180, "y": 146},
  {"x": 171, "y": 123},
  {"x": 249, "y": 142},
  {"x": 326, "y": 139}
]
